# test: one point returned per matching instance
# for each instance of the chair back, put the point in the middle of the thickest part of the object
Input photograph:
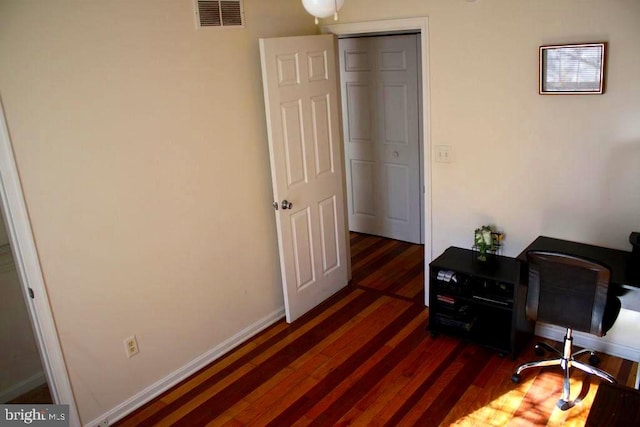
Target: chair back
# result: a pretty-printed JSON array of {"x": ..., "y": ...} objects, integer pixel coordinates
[{"x": 567, "y": 291}]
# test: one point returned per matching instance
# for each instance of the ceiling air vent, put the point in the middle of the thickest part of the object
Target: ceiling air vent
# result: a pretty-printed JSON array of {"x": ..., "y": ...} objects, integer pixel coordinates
[{"x": 219, "y": 13}]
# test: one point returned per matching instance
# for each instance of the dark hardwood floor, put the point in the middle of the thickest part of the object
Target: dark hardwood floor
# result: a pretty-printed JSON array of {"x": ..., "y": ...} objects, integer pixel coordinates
[
  {"x": 365, "y": 358},
  {"x": 39, "y": 395}
]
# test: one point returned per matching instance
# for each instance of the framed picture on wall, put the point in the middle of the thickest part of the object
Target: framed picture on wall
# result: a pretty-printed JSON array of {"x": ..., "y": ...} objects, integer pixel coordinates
[{"x": 573, "y": 69}]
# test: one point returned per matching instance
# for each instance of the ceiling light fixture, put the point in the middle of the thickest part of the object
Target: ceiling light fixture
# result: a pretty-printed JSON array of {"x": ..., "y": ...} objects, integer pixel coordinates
[{"x": 323, "y": 8}]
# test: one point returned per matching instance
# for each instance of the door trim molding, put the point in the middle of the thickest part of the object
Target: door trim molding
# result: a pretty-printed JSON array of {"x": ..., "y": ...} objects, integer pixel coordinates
[
  {"x": 30, "y": 274},
  {"x": 418, "y": 24}
]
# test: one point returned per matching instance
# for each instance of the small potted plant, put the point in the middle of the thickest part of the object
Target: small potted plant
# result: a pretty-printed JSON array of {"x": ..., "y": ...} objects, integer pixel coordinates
[{"x": 485, "y": 240}]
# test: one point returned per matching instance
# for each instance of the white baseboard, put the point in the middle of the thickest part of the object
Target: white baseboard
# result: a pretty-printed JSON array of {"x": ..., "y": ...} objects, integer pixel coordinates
[
  {"x": 589, "y": 341},
  {"x": 154, "y": 390},
  {"x": 22, "y": 387}
]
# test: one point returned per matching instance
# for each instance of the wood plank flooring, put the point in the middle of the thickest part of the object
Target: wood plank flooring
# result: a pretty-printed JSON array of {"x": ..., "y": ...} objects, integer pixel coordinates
[{"x": 365, "y": 358}]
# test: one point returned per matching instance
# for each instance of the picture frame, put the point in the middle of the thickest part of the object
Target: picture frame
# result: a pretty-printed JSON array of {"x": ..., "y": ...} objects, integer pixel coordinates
[{"x": 572, "y": 69}]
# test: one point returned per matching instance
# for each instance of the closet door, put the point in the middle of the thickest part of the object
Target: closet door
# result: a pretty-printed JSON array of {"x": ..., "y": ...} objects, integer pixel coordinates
[{"x": 379, "y": 77}]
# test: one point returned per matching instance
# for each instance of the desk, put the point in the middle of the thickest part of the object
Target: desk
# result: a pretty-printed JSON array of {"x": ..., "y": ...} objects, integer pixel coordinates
[
  {"x": 614, "y": 406},
  {"x": 625, "y": 272}
]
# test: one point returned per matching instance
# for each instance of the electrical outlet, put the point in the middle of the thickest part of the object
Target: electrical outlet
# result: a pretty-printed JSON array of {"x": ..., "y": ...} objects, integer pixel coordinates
[{"x": 131, "y": 346}]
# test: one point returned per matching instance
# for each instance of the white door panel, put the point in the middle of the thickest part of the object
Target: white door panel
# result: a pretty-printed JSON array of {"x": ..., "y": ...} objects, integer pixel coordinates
[
  {"x": 394, "y": 112},
  {"x": 382, "y": 149},
  {"x": 363, "y": 187},
  {"x": 397, "y": 177},
  {"x": 393, "y": 59},
  {"x": 301, "y": 99},
  {"x": 291, "y": 113},
  {"x": 329, "y": 233},
  {"x": 358, "y": 99},
  {"x": 320, "y": 114}
]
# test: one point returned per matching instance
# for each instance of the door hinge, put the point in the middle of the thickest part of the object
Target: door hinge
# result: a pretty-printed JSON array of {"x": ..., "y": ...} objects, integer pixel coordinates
[{"x": 31, "y": 294}]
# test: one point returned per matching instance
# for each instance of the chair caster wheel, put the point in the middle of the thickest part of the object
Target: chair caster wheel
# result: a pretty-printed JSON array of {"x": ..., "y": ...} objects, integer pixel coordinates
[
  {"x": 564, "y": 405},
  {"x": 515, "y": 378},
  {"x": 594, "y": 360},
  {"x": 538, "y": 350}
]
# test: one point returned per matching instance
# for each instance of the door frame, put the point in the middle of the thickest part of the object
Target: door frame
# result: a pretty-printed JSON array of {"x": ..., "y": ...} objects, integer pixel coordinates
[
  {"x": 28, "y": 267},
  {"x": 420, "y": 25}
]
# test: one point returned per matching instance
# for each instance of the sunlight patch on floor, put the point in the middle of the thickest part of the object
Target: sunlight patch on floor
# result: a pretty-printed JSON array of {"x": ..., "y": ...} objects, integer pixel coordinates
[{"x": 530, "y": 403}]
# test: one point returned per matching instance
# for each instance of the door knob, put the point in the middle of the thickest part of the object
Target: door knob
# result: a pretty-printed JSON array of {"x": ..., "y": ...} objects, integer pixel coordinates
[{"x": 286, "y": 204}]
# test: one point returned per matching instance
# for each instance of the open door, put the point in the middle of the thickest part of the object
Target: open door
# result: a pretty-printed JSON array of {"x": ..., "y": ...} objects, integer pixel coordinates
[{"x": 302, "y": 108}]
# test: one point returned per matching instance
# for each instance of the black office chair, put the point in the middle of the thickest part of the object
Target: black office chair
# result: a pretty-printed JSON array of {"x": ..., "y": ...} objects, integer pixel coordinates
[{"x": 573, "y": 293}]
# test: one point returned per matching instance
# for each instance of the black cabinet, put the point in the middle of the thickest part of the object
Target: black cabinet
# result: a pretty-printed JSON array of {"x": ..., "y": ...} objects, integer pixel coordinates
[{"x": 480, "y": 301}]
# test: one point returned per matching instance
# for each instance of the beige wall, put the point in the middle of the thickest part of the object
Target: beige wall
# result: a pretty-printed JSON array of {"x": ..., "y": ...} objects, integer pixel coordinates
[
  {"x": 141, "y": 146},
  {"x": 564, "y": 166}
]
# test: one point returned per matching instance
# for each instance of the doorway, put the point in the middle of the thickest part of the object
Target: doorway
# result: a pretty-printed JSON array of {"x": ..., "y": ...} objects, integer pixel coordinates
[
  {"x": 390, "y": 267},
  {"x": 22, "y": 378},
  {"x": 420, "y": 26},
  {"x": 379, "y": 81},
  {"x": 25, "y": 256}
]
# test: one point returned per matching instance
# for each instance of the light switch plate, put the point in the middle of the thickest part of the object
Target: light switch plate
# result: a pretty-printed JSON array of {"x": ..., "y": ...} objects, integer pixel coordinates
[{"x": 444, "y": 154}]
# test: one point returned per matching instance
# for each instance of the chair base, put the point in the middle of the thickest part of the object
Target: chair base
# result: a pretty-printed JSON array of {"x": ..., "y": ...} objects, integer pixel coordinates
[{"x": 566, "y": 360}]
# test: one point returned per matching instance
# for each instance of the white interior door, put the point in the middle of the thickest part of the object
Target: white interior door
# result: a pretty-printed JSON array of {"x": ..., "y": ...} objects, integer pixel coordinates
[
  {"x": 302, "y": 107},
  {"x": 379, "y": 78}
]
